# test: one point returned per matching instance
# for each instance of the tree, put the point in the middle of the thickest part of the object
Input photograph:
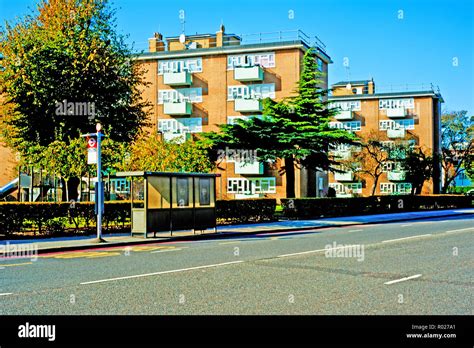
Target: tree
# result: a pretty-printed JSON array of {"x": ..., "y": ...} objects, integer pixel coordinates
[
  {"x": 371, "y": 158},
  {"x": 457, "y": 145},
  {"x": 418, "y": 167},
  {"x": 66, "y": 160},
  {"x": 150, "y": 152},
  {"x": 68, "y": 52},
  {"x": 295, "y": 129}
]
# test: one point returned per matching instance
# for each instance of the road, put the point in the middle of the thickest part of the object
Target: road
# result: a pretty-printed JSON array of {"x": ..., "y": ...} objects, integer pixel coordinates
[{"x": 413, "y": 267}]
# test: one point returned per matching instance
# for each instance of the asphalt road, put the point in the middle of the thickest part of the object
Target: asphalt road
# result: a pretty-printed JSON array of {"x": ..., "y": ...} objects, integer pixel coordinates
[{"x": 414, "y": 267}]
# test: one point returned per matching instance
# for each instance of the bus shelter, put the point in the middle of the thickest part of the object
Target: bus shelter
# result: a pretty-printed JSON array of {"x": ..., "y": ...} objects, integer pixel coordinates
[{"x": 171, "y": 201}]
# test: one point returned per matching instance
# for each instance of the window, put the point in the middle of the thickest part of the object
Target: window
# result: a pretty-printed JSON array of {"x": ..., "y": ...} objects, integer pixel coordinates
[
  {"x": 181, "y": 125},
  {"x": 353, "y": 105},
  {"x": 193, "y": 95},
  {"x": 354, "y": 187},
  {"x": 251, "y": 185},
  {"x": 266, "y": 60},
  {"x": 398, "y": 188},
  {"x": 407, "y": 103},
  {"x": 350, "y": 125},
  {"x": 260, "y": 91},
  {"x": 319, "y": 62},
  {"x": 398, "y": 124},
  {"x": 192, "y": 65}
]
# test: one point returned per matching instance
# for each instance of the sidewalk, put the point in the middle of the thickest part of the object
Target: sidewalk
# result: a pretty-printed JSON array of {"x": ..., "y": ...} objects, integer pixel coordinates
[{"x": 48, "y": 245}]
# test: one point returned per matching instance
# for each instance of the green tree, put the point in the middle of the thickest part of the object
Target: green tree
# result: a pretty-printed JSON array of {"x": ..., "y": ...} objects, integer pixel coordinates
[
  {"x": 457, "y": 145},
  {"x": 418, "y": 167},
  {"x": 68, "y": 51},
  {"x": 67, "y": 160},
  {"x": 295, "y": 129}
]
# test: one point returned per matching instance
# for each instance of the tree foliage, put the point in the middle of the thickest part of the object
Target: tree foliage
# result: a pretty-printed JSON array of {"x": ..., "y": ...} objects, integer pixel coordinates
[
  {"x": 67, "y": 50},
  {"x": 457, "y": 145},
  {"x": 149, "y": 152},
  {"x": 418, "y": 167}
]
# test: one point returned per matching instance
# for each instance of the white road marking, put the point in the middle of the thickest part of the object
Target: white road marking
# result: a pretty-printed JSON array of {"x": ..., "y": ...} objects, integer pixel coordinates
[
  {"x": 2, "y": 267},
  {"x": 396, "y": 240},
  {"x": 6, "y": 293},
  {"x": 406, "y": 225},
  {"x": 312, "y": 251},
  {"x": 159, "y": 273},
  {"x": 403, "y": 279},
  {"x": 461, "y": 229},
  {"x": 354, "y": 230},
  {"x": 164, "y": 251}
]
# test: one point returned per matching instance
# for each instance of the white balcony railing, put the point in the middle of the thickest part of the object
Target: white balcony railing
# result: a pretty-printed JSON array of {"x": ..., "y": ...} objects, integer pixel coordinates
[
  {"x": 346, "y": 176},
  {"x": 249, "y": 167},
  {"x": 344, "y": 115},
  {"x": 396, "y": 113},
  {"x": 248, "y": 73},
  {"x": 248, "y": 105},
  {"x": 178, "y": 108},
  {"x": 183, "y": 78},
  {"x": 396, "y": 175},
  {"x": 396, "y": 133}
]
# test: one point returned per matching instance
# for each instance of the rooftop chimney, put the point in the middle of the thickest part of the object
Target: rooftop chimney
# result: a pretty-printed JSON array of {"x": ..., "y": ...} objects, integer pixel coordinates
[
  {"x": 371, "y": 87},
  {"x": 220, "y": 36},
  {"x": 156, "y": 44}
]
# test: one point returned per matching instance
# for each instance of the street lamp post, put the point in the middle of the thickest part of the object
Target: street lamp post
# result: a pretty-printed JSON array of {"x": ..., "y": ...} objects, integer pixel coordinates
[{"x": 99, "y": 196}]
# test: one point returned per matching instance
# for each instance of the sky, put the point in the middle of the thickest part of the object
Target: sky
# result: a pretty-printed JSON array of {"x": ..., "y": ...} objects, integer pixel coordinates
[{"x": 395, "y": 42}]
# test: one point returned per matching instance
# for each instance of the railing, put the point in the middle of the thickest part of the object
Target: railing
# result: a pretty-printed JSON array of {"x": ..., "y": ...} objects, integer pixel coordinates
[
  {"x": 253, "y": 38},
  {"x": 394, "y": 88},
  {"x": 282, "y": 35}
]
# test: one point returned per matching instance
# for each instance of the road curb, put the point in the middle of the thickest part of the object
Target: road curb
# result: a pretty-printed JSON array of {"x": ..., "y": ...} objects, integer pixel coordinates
[{"x": 218, "y": 235}]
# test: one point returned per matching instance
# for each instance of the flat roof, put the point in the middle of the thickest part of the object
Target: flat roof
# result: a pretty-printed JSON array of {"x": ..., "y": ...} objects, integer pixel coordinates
[
  {"x": 388, "y": 95},
  {"x": 168, "y": 174},
  {"x": 354, "y": 83},
  {"x": 232, "y": 49}
]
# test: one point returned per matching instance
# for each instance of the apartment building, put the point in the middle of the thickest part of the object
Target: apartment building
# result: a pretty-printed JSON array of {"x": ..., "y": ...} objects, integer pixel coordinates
[
  {"x": 197, "y": 82},
  {"x": 409, "y": 117}
]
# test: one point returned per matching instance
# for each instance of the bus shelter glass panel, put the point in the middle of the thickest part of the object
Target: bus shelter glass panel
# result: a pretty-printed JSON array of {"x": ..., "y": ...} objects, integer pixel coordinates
[
  {"x": 204, "y": 192},
  {"x": 182, "y": 198},
  {"x": 138, "y": 192},
  {"x": 159, "y": 195}
]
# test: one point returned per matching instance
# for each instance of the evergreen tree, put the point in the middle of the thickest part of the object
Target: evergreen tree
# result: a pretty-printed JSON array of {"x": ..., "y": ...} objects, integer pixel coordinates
[{"x": 295, "y": 129}]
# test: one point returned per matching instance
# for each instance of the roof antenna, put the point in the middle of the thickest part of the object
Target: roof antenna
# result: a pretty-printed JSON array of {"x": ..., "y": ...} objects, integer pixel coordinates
[
  {"x": 348, "y": 76},
  {"x": 182, "y": 19}
]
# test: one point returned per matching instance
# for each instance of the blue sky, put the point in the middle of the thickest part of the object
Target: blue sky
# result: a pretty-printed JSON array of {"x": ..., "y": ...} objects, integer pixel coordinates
[{"x": 396, "y": 42}]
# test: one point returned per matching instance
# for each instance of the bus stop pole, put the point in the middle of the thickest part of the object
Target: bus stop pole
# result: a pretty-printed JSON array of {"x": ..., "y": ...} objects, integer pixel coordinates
[{"x": 100, "y": 188}]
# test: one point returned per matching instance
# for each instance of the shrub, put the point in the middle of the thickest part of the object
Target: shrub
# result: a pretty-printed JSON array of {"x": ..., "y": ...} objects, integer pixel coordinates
[
  {"x": 301, "y": 208},
  {"x": 245, "y": 210}
]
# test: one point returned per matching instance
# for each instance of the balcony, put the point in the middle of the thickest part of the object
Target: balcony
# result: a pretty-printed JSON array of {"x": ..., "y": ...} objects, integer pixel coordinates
[
  {"x": 344, "y": 115},
  {"x": 396, "y": 113},
  {"x": 183, "y": 78},
  {"x": 395, "y": 133},
  {"x": 248, "y": 73},
  {"x": 396, "y": 175},
  {"x": 346, "y": 176},
  {"x": 344, "y": 155},
  {"x": 248, "y": 105},
  {"x": 177, "y": 137},
  {"x": 249, "y": 167},
  {"x": 178, "y": 108}
]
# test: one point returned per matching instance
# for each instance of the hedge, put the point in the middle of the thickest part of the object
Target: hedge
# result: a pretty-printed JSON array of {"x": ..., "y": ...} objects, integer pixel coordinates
[
  {"x": 49, "y": 219},
  {"x": 303, "y": 208},
  {"x": 52, "y": 218}
]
